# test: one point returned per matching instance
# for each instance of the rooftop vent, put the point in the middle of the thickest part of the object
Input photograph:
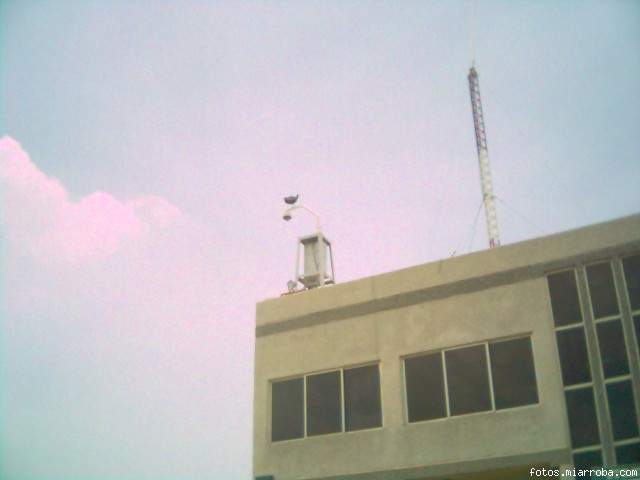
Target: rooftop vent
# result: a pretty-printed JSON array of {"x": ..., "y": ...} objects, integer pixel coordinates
[{"x": 318, "y": 261}]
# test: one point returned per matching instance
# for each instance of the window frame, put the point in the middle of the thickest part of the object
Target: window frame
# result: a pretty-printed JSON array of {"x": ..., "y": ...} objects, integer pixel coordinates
[
  {"x": 405, "y": 396},
  {"x": 533, "y": 360},
  {"x": 599, "y": 348},
  {"x": 342, "y": 402},
  {"x": 625, "y": 289},
  {"x": 566, "y": 328},
  {"x": 616, "y": 289},
  {"x": 576, "y": 281},
  {"x": 635, "y": 332},
  {"x": 442, "y": 351},
  {"x": 618, "y": 380}
]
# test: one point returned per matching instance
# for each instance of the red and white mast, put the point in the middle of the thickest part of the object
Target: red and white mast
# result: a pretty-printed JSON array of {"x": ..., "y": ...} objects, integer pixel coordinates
[{"x": 488, "y": 198}]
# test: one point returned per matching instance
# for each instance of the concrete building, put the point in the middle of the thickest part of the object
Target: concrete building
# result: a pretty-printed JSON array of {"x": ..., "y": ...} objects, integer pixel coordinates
[{"x": 473, "y": 367}]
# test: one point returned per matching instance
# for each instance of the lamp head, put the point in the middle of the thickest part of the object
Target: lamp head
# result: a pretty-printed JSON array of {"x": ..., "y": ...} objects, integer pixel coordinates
[{"x": 291, "y": 199}]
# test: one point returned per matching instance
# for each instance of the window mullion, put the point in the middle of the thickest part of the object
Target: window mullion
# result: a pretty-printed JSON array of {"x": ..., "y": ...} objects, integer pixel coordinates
[
  {"x": 342, "y": 400},
  {"x": 446, "y": 386},
  {"x": 493, "y": 400},
  {"x": 595, "y": 364},
  {"x": 304, "y": 406}
]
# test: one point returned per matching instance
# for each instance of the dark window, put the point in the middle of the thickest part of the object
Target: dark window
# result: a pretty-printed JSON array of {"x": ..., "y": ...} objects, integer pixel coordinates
[
  {"x": 602, "y": 290},
  {"x": 425, "y": 387},
  {"x": 513, "y": 373},
  {"x": 468, "y": 380},
  {"x": 564, "y": 298},
  {"x": 362, "y": 398},
  {"x": 612, "y": 350},
  {"x": 628, "y": 454},
  {"x": 581, "y": 410},
  {"x": 574, "y": 359},
  {"x": 323, "y": 403},
  {"x": 287, "y": 410},
  {"x": 636, "y": 322},
  {"x": 622, "y": 410},
  {"x": 632, "y": 276},
  {"x": 587, "y": 460}
]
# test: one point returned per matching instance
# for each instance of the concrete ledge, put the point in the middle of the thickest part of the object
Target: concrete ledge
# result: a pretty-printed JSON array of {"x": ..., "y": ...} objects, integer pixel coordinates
[
  {"x": 479, "y": 269},
  {"x": 459, "y": 287},
  {"x": 491, "y": 467}
]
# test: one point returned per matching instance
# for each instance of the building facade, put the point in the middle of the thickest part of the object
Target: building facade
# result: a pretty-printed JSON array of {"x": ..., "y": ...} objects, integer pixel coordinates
[{"x": 475, "y": 367}]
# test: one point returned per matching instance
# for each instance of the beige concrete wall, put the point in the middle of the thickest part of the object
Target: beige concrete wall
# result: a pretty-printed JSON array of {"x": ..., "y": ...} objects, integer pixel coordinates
[
  {"x": 444, "y": 446},
  {"x": 387, "y": 337}
]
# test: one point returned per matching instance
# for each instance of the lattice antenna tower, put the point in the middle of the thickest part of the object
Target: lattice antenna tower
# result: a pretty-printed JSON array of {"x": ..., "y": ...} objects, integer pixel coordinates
[{"x": 488, "y": 198}]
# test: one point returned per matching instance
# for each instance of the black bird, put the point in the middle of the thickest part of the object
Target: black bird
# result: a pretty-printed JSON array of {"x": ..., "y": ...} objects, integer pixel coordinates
[{"x": 291, "y": 199}]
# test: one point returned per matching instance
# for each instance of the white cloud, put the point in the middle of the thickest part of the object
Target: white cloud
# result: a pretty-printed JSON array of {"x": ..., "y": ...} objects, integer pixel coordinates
[
  {"x": 125, "y": 354},
  {"x": 43, "y": 221}
]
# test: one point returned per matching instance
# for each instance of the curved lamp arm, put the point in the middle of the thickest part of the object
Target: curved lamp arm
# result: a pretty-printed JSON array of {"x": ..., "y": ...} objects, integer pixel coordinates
[{"x": 304, "y": 207}]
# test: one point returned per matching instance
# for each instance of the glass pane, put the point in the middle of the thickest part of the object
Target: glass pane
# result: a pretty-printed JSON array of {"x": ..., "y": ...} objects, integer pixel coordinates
[
  {"x": 581, "y": 410},
  {"x": 631, "y": 267},
  {"x": 622, "y": 410},
  {"x": 468, "y": 380},
  {"x": 636, "y": 322},
  {"x": 602, "y": 290},
  {"x": 587, "y": 460},
  {"x": 323, "y": 404},
  {"x": 425, "y": 387},
  {"x": 565, "y": 302},
  {"x": 287, "y": 410},
  {"x": 362, "y": 398},
  {"x": 574, "y": 360},
  {"x": 612, "y": 350},
  {"x": 628, "y": 454},
  {"x": 513, "y": 373}
]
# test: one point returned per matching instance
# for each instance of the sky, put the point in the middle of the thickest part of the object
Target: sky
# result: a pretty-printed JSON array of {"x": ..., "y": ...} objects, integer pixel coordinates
[{"x": 145, "y": 150}]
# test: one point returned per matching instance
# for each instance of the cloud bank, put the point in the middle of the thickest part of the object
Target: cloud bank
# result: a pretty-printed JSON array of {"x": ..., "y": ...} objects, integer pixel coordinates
[
  {"x": 122, "y": 354},
  {"x": 42, "y": 220}
]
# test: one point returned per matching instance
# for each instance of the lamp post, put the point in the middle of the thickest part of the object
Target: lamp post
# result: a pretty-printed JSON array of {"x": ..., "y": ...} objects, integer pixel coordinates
[{"x": 316, "y": 271}]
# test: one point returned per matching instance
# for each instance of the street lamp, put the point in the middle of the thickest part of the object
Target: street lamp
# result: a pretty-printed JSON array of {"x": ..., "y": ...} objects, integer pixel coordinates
[{"x": 318, "y": 255}]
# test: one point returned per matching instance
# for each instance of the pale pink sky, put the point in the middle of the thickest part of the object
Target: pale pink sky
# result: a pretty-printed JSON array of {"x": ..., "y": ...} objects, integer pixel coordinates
[{"x": 146, "y": 147}]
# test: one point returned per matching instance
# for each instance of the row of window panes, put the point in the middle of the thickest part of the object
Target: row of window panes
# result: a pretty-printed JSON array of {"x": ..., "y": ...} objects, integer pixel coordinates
[
  {"x": 631, "y": 266},
  {"x": 322, "y": 403},
  {"x": 574, "y": 358},
  {"x": 565, "y": 301},
  {"x": 330, "y": 402},
  {"x": 571, "y": 341},
  {"x": 574, "y": 363},
  {"x": 459, "y": 381},
  {"x": 580, "y": 402},
  {"x": 582, "y": 411},
  {"x": 627, "y": 454}
]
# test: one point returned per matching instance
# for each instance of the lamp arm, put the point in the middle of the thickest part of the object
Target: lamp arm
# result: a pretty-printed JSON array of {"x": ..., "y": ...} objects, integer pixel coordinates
[{"x": 304, "y": 207}]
